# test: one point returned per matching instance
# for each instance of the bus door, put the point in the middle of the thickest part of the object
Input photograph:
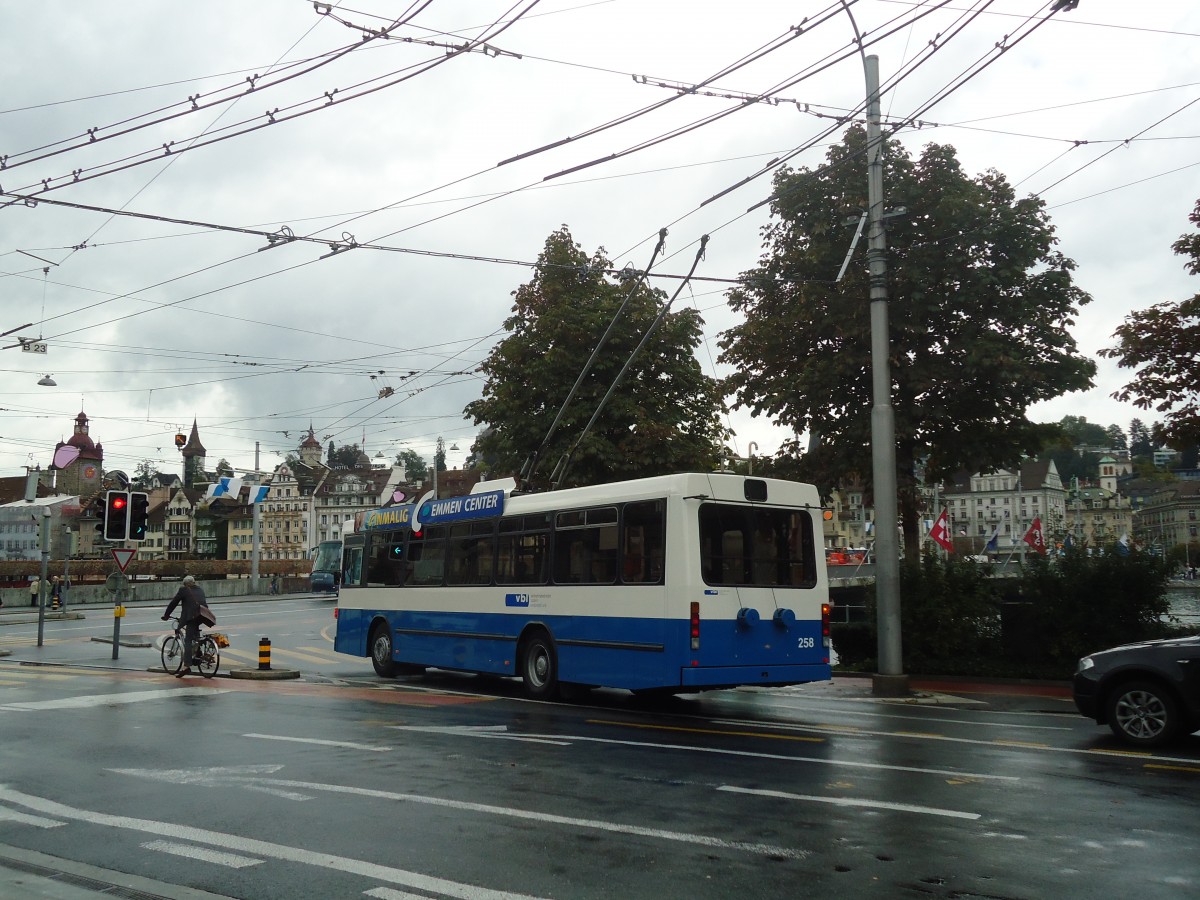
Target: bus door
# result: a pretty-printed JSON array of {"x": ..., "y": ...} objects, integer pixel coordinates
[{"x": 352, "y": 561}]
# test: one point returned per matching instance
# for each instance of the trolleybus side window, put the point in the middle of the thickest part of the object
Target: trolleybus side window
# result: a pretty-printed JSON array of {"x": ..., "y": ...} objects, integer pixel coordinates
[
  {"x": 470, "y": 554},
  {"x": 585, "y": 546},
  {"x": 427, "y": 554},
  {"x": 643, "y": 533},
  {"x": 756, "y": 546},
  {"x": 387, "y": 565},
  {"x": 522, "y": 549}
]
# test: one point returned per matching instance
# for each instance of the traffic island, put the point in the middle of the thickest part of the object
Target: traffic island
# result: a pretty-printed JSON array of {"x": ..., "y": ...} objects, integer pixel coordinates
[
  {"x": 264, "y": 674},
  {"x": 133, "y": 640}
]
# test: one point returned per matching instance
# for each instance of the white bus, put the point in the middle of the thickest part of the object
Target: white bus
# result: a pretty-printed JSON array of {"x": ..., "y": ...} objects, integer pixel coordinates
[{"x": 677, "y": 583}]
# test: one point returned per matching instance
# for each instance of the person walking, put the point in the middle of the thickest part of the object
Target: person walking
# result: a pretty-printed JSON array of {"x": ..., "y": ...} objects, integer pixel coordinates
[
  {"x": 190, "y": 598},
  {"x": 56, "y": 594},
  {"x": 35, "y": 588}
]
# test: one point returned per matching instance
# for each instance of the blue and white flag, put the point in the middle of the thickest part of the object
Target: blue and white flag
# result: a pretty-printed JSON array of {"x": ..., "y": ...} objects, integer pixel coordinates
[
  {"x": 993, "y": 543},
  {"x": 1123, "y": 544},
  {"x": 258, "y": 493},
  {"x": 225, "y": 487}
]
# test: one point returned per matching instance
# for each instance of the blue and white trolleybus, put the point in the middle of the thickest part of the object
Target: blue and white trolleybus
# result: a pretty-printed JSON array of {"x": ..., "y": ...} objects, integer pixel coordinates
[{"x": 677, "y": 583}]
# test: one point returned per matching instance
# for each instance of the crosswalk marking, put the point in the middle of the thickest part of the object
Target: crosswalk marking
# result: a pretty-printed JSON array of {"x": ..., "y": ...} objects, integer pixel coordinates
[
  {"x": 11, "y": 815},
  {"x": 92, "y": 700},
  {"x": 191, "y": 851}
]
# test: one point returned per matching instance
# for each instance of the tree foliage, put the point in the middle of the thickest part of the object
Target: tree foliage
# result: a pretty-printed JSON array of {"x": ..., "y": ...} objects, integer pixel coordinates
[
  {"x": 665, "y": 416},
  {"x": 344, "y": 457},
  {"x": 144, "y": 473},
  {"x": 1140, "y": 439},
  {"x": 414, "y": 464},
  {"x": 1162, "y": 343},
  {"x": 980, "y": 306}
]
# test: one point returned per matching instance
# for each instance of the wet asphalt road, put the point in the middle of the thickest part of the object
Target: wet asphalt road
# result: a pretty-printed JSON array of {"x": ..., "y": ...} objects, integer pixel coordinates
[{"x": 339, "y": 784}]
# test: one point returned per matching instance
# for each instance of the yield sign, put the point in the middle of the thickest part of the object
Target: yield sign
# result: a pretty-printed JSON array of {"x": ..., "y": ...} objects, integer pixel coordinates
[{"x": 122, "y": 556}]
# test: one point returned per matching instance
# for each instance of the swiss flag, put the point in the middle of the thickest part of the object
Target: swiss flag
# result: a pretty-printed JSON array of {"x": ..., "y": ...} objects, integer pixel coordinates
[
  {"x": 940, "y": 533},
  {"x": 1034, "y": 537}
]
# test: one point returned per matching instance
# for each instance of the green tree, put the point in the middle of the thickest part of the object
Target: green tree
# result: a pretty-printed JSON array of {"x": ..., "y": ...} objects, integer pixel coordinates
[
  {"x": 414, "y": 464},
  {"x": 664, "y": 417},
  {"x": 344, "y": 457},
  {"x": 1081, "y": 432},
  {"x": 143, "y": 474},
  {"x": 1141, "y": 442},
  {"x": 1116, "y": 438},
  {"x": 1162, "y": 343},
  {"x": 982, "y": 302}
]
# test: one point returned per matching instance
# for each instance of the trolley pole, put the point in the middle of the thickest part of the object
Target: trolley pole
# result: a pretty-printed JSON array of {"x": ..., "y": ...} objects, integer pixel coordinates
[{"x": 890, "y": 679}]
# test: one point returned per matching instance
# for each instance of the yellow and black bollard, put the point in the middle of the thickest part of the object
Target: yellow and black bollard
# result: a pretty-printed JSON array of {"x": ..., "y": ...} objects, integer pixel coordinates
[{"x": 264, "y": 653}]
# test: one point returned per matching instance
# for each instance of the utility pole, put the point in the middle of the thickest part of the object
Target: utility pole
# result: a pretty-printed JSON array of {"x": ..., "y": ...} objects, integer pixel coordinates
[
  {"x": 890, "y": 680},
  {"x": 256, "y": 511}
]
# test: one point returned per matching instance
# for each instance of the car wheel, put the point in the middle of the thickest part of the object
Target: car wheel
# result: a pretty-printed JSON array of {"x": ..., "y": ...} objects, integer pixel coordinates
[
  {"x": 1143, "y": 713},
  {"x": 381, "y": 651}
]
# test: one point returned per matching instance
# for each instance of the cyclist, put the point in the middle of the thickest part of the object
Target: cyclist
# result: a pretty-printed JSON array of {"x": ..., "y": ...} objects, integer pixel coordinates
[{"x": 190, "y": 597}]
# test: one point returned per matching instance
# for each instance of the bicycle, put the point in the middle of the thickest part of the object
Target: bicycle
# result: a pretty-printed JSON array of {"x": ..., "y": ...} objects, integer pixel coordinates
[{"x": 207, "y": 656}]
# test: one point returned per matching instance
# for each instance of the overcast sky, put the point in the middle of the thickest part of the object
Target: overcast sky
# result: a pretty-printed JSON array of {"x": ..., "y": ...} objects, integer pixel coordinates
[{"x": 151, "y": 324}]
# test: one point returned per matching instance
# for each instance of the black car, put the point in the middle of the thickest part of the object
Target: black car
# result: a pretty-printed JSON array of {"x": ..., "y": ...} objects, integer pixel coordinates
[{"x": 1147, "y": 693}]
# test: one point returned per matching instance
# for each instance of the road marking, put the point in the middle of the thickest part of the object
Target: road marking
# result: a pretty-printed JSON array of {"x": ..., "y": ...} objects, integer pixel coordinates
[
  {"x": 977, "y": 742},
  {"x": 756, "y": 734},
  {"x": 1172, "y": 768},
  {"x": 850, "y": 764},
  {"x": 818, "y": 706},
  {"x": 190, "y": 851},
  {"x": 850, "y": 801},
  {"x": 393, "y": 894},
  {"x": 703, "y": 840},
  {"x": 11, "y": 815},
  {"x": 482, "y": 731},
  {"x": 88, "y": 701},
  {"x": 300, "y": 740},
  {"x": 300, "y": 655},
  {"x": 373, "y": 871}
]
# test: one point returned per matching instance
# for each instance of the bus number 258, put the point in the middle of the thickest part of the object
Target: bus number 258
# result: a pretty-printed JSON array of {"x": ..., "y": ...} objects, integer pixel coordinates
[{"x": 807, "y": 643}]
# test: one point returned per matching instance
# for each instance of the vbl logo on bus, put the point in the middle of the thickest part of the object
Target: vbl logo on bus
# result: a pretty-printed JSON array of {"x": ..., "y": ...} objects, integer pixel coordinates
[{"x": 516, "y": 599}]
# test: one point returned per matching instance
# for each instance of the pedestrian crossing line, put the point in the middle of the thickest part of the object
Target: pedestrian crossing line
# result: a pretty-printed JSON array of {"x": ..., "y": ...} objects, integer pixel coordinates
[
  {"x": 327, "y": 652},
  {"x": 24, "y": 676},
  {"x": 11, "y": 815},
  {"x": 191, "y": 851},
  {"x": 296, "y": 654}
]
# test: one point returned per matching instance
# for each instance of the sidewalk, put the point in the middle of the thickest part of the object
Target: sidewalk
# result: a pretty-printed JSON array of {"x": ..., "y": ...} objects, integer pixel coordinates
[{"x": 29, "y": 875}]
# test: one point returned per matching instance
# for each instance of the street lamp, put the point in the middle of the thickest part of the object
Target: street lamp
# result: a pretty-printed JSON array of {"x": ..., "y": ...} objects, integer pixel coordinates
[{"x": 47, "y": 381}]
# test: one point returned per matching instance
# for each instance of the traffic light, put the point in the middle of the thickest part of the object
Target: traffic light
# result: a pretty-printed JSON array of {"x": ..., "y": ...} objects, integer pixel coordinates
[
  {"x": 96, "y": 511},
  {"x": 116, "y": 515},
  {"x": 139, "y": 514}
]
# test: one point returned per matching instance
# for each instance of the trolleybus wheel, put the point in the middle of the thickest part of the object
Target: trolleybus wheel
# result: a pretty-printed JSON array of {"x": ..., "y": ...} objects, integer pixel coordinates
[
  {"x": 539, "y": 667},
  {"x": 381, "y": 651}
]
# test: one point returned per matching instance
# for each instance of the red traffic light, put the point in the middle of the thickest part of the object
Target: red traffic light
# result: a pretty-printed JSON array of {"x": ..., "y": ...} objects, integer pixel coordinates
[{"x": 118, "y": 503}]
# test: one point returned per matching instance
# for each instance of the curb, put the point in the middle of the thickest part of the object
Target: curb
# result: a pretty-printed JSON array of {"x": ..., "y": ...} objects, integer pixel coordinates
[
  {"x": 125, "y": 642},
  {"x": 264, "y": 674}
]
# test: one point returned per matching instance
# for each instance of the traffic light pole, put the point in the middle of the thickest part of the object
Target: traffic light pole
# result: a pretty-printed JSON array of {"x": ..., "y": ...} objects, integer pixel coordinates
[{"x": 45, "y": 542}]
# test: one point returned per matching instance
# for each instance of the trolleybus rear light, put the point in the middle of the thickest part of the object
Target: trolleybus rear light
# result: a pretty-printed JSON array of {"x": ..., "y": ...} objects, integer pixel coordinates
[
  {"x": 825, "y": 625},
  {"x": 694, "y": 624}
]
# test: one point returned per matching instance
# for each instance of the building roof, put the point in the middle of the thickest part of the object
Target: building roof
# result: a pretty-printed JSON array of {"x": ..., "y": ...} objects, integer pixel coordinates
[{"x": 193, "y": 447}]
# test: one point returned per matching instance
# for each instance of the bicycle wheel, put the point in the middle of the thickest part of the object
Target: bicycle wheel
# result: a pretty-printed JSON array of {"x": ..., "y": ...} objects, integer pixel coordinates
[
  {"x": 172, "y": 654},
  {"x": 207, "y": 657}
]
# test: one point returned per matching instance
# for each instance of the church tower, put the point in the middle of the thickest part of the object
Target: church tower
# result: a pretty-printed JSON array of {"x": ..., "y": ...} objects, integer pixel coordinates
[
  {"x": 193, "y": 459},
  {"x": 310, "y": 449},
  {"x": 78, "y": 462}
]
